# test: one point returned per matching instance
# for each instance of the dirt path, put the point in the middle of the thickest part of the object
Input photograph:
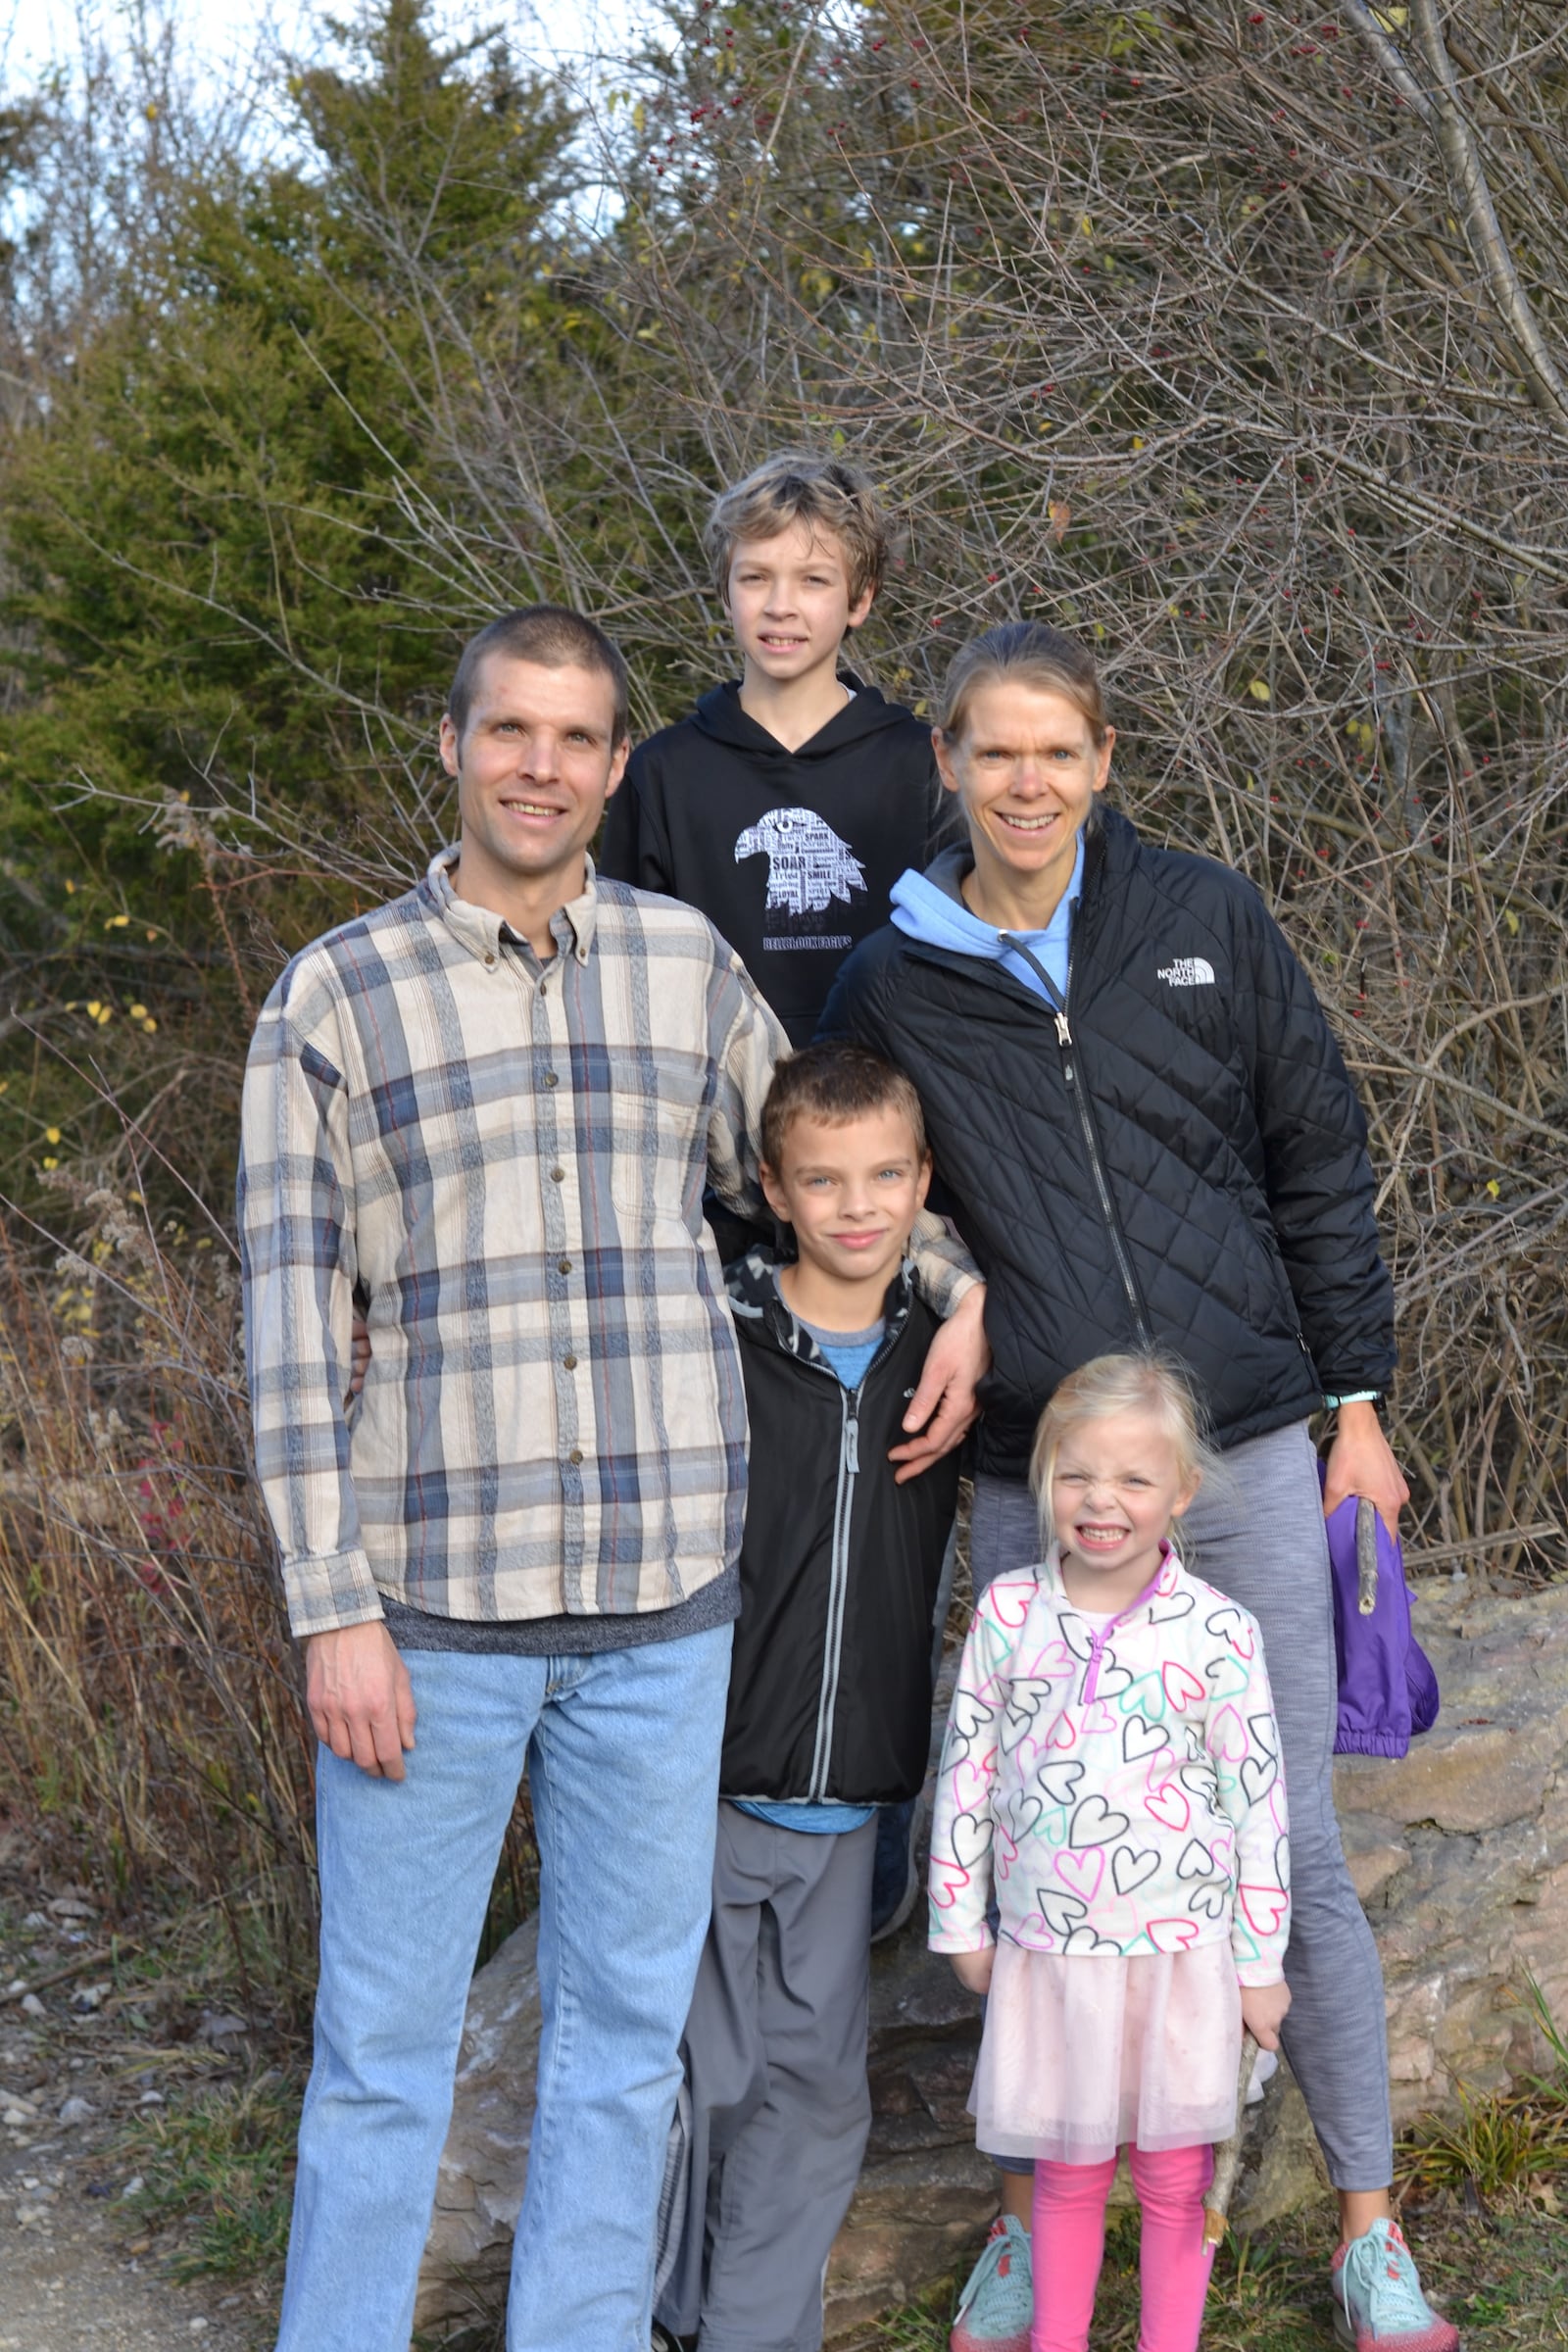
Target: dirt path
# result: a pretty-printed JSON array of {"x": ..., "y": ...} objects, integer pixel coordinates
[{"x": 80, "y": 2272}]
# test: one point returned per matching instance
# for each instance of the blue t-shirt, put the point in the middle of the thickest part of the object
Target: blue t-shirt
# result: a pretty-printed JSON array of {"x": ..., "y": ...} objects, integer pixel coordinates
[
  {"x": 818, "y": 1821},
  {"x": 849, "y": 1352}
]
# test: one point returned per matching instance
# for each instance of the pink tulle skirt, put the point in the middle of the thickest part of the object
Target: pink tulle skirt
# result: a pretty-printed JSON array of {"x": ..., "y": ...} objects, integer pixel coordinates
[{"x": 1083, "y": 2052}]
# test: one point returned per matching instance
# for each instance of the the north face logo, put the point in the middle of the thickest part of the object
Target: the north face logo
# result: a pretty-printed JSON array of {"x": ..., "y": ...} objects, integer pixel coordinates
[
  {"x": 1188, "y": 971},
  {"x": 808, "y": 863}
]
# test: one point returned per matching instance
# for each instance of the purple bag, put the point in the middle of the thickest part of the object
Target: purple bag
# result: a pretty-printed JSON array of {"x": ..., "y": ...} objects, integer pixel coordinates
[{"x": 1387, "y": 1691}]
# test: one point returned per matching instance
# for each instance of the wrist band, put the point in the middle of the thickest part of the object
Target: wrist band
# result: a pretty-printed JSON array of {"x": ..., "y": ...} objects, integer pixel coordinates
[{"x": 1331, "y": 1405}]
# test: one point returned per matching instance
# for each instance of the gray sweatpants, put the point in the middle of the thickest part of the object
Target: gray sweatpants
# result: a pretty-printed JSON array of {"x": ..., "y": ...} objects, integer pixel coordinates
[
  {"x": 1263, "y": 1544},
  {"x": 776, "y": 2107}
]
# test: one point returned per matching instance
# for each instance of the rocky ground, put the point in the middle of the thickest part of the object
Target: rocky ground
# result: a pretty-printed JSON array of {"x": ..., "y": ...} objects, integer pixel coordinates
[{"x": 94, "y": 2041}]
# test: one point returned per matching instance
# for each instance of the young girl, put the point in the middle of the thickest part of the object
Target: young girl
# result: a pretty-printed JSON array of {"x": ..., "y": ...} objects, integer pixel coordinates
[{"x": 1111, "y": 1776}]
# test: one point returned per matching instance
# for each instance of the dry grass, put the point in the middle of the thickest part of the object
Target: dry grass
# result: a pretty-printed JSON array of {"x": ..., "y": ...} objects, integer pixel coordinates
[{"x": 150, "y": 1725}]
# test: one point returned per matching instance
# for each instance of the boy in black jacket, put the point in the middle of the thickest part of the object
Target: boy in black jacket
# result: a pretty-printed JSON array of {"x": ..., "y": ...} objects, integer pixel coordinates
[
  {"x": 788, "y": 803},
  {"x": 829, "y": 1709}
]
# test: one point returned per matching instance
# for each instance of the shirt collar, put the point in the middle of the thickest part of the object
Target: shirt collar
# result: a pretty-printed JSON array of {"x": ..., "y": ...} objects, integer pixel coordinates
[
  {"x": 1061, "y": 921},
  {"x": 483, "y": 933}
]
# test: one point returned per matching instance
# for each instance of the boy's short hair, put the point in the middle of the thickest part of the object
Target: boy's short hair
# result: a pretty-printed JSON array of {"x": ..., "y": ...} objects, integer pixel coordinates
[
  {"x": 835, "y": 1083},
  {"x": 797, "y": 485},
  {"x": 556, "y": 638}
]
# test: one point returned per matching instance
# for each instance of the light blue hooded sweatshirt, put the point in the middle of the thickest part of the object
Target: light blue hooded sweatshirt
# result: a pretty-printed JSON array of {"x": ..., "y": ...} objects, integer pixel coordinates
[{"x": 928, "y": 907}]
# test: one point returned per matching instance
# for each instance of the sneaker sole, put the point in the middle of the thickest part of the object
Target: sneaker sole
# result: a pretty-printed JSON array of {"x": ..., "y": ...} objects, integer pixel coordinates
[
  {"x": 960, "y": 2340},
  {"x": 1439, "y": 2339}
]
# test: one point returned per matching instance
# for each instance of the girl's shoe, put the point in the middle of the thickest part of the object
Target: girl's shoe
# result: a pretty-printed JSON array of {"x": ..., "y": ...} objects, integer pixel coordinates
[
  {"x": 1378, "y": 2303},
  {"x": 998, "y": 2305}
]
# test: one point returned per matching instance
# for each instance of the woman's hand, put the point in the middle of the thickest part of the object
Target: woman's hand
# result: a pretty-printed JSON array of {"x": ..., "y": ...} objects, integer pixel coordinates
[
  {"x": 359, "y": 1354},
  {"x": 1263, "y": 2008},
  {"x": 974, "y": 1969},
  {"x": 943, "y": 1407},
  {"x": 1361, "y": 1463}
]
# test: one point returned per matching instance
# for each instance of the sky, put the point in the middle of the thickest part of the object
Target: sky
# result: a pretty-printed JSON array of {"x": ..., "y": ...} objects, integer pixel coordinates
[{"x": 215, "y": 34}]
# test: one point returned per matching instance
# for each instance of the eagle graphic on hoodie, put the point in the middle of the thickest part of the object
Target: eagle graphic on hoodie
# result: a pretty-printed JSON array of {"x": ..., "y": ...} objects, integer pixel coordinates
[{"x": 808, "y": 863}]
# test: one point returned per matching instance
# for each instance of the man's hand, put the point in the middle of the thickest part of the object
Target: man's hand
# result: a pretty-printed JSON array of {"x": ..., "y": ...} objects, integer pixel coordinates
[
  {"x": 943, "y": 1407},
  {"x": 1360, "y": 1463},
  {"x": 360, "y": 1697},
  {"x": 359, "y": 1354},
  {"x": 974, "y": 1969},
  {"x": 1263, "y": 2008}
]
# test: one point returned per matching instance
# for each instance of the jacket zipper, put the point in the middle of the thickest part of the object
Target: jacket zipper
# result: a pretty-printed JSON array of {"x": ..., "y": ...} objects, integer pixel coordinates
[
  {"x": 1079, "y": 1093},
  {"x": 839, "y": 1569},
  {"x": 837, "y": 1594},
  {"x": 1099, "y": 1641}
]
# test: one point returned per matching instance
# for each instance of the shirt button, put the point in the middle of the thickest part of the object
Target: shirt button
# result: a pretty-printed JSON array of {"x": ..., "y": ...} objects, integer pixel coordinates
[
  {"x": 575, "y": 1456},
  {"x": 489, "y": 963},
  {"x": 570, "y": 1363},
  {"x": 563, "y": 1265},
  {"x": 558, "y": 1175},
  {"x": 551, "y": 1079}
]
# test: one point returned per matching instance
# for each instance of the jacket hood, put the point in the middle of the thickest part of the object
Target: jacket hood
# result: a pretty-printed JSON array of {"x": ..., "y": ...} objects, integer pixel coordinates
[
  {"x": 719, "y": 714},
  {"x": 930, "y": 907},
  {"x": 760, "y": 1308}
]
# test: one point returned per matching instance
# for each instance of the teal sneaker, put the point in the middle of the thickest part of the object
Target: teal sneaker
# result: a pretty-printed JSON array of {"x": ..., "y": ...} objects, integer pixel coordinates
[
  {"x": 1378, "y": 2303},
  {"x": 996, "y": 2307}
]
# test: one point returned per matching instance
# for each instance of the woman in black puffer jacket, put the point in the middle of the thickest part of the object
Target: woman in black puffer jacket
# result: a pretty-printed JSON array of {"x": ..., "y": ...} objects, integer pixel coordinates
[{"x": 1146, "y": 1132}]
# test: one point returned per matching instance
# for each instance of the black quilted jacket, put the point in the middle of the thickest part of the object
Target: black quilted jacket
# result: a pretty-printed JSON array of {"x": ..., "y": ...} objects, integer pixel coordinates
[
  {"x": 831, "y": 1680},
  {"x": 1181, "y": 1159},
  {"x": 840, "y": 1567}
]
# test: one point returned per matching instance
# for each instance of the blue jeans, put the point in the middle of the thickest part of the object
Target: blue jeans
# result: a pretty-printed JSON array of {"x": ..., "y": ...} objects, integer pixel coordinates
[{"x": 622, "y": 1754}]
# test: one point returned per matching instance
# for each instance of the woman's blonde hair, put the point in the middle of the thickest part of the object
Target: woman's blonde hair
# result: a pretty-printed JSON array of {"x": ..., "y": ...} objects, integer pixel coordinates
[
  {"x": 1150, "y": 1382},
  {"x": 1033, "y": 655}
]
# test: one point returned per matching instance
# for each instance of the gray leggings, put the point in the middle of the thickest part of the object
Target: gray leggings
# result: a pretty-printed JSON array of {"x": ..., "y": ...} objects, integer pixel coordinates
[{"x": 1262, "y": 1543}]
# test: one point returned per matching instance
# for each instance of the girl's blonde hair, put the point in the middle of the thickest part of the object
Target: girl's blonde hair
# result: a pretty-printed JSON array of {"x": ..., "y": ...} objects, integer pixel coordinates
[
  {"x": 1152, "y": 1382},
  {"x": 1031, "y": 654}
]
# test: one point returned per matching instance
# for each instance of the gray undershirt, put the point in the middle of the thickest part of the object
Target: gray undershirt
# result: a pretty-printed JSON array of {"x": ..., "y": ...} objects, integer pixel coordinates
[{"x": 575, "y": 1637}]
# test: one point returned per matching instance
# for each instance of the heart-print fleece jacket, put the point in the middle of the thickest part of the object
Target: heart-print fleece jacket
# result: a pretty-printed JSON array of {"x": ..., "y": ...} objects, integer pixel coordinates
[{"x": 1117, "y": 1778}]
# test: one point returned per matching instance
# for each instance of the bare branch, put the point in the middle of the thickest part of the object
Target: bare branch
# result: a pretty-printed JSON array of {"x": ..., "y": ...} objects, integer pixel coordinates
[{"x": 1467, "y": 179}]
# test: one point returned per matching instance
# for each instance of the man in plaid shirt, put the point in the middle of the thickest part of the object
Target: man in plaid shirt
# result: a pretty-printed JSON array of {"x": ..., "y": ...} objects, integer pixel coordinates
[{"x": 485, "y": 1114}]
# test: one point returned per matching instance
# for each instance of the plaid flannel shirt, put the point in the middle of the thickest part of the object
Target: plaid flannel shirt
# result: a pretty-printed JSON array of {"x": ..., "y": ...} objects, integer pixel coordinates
[{"x": 504, "y": 1162}]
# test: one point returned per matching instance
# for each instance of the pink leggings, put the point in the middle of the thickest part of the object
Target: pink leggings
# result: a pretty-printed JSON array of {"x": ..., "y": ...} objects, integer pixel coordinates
[{"x": 1173, "y": 2262}]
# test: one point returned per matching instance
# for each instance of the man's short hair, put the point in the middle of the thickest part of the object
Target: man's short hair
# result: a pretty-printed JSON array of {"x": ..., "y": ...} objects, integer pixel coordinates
[
  {"x": 836, "y": 1083},
  {"x": 555, "y": 637},
  {"x": 826, "y": 494}
]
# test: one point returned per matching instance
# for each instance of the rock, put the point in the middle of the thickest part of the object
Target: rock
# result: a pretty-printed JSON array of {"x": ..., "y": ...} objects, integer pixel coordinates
[
  {"x": 215, "y": 2030},
  {"x": 485, "y": 2161},
  {"x": 31, "y": 2006},
  {"x": 1459, "y": 1853},
  {"x": 1459, "y": 1850},
  {"x": 78, "y": 2110}
]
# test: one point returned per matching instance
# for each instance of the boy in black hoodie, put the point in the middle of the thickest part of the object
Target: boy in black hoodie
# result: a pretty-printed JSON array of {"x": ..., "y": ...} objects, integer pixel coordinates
[
  {"x": 829, "y": 1709},
  {"x": 788, "y": 803}
]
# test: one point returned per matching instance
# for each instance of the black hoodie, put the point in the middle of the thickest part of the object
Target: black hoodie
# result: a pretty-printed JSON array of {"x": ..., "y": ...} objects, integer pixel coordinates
[{"x": 791, "y": 854}]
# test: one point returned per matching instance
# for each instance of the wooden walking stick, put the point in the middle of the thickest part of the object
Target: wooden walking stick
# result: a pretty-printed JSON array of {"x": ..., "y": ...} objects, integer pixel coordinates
[{"x": 1228, "y": 2155}]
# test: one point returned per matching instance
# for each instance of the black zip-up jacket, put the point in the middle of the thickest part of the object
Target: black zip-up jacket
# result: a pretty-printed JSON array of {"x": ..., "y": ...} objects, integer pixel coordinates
[
  {"x": 1178, "y": 1156},
  {"x": 790, "y": 854},
  {"x": 830, "y": 1681}
]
